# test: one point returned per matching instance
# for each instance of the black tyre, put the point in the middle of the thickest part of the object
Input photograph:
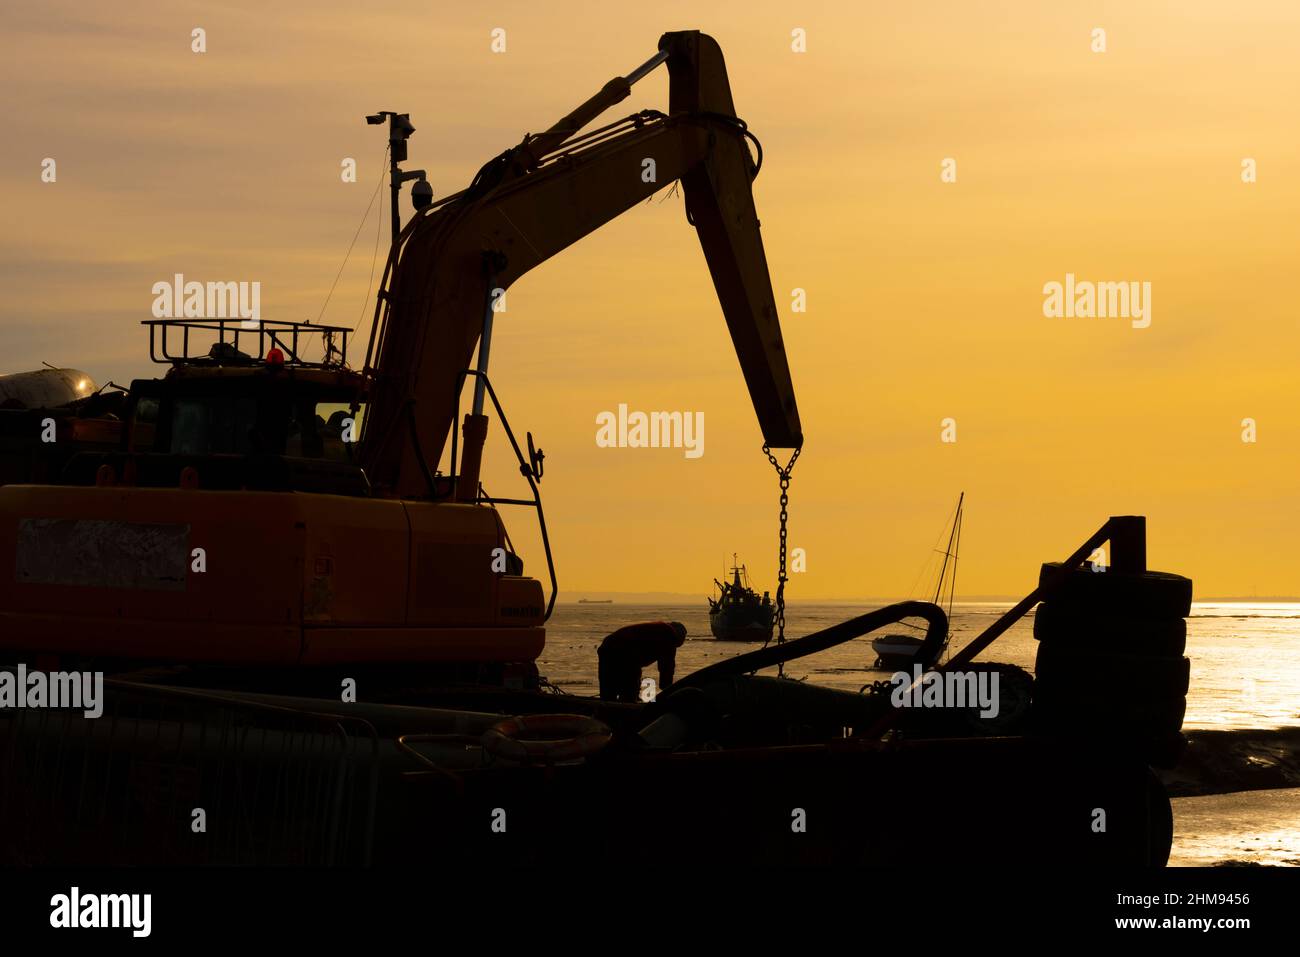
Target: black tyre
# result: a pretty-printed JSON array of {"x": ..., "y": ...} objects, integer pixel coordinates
[
  {"x": 1111, "y": 594},
  {"x": 1160, "y": 749},
  {"x": 1160, "y": 822},
  {"x": 1078, "y": 673},
  {"x": 1110, "y": 718},
  {"x": 1137, "y": 636},
  {"x": 1165, "y": 751}
]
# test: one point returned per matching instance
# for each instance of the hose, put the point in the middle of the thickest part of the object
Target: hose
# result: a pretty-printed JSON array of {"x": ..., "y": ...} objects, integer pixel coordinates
[{"x": 818, "y": 641}]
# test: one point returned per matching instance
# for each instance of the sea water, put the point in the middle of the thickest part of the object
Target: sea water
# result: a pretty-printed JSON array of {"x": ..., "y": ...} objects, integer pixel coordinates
[{"x": 1245, "y": 656}]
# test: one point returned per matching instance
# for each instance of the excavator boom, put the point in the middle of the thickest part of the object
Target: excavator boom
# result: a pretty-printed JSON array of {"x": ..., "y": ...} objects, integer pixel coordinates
[{"x": 539, "y": 198}]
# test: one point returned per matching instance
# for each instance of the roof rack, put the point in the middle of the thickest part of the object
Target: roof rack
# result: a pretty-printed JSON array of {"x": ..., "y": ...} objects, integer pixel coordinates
[{"x": 291, "y": 338}]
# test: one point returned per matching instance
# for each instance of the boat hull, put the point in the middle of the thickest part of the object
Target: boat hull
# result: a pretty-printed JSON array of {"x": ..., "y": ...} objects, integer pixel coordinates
[
  {"x": 727, "y": 625},
  {"x": 897, "y": 651}
]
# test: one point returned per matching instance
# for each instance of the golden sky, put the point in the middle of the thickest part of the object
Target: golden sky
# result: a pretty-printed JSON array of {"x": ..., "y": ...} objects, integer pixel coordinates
[{"x": 924, "y": 298}]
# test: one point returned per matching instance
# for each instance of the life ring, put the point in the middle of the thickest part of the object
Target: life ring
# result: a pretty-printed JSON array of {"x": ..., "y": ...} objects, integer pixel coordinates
[{"x": 546, "y": 738}]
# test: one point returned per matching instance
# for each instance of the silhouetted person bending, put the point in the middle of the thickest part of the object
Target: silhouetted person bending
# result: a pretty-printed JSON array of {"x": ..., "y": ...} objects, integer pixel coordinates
[{"x": 624, "y": 653}]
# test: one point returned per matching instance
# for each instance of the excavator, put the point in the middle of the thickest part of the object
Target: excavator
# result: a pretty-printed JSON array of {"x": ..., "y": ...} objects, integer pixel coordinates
[
  {"x": 270, "y": 511},
  {"x": 266, "y": 510}
]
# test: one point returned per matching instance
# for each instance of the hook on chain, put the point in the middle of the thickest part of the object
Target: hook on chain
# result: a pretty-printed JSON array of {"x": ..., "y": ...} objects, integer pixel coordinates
[{"x": 783, "y": 473}]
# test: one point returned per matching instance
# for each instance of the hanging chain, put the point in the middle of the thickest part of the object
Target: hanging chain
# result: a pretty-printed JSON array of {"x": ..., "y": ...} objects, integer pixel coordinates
[{"x": 784, "y": 475}]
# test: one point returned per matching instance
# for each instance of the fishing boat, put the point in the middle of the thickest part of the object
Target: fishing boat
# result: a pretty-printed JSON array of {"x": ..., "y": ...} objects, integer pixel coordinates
[
  {"x": 738, "y": 613},
  {"x": 902, "y": 651}
]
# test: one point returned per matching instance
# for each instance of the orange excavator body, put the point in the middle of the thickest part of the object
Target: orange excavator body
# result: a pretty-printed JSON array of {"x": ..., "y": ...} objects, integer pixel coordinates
[{"x": 234, "y": 527}]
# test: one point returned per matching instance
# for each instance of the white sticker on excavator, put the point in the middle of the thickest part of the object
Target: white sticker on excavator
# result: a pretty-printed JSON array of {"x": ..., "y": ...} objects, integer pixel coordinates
[{"x": 103, "y": 554}]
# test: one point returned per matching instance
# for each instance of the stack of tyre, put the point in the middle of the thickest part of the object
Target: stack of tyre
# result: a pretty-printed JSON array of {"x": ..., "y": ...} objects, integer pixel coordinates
[{"x": 1110, "y": 660}]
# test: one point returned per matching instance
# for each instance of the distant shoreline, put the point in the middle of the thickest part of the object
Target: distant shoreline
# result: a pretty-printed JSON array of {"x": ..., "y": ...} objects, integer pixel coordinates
[{"x": 652, "y": 598}]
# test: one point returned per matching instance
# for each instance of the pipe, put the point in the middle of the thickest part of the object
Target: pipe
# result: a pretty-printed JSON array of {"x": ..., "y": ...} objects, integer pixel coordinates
[
  {"x": 471, "y": 460},
  {"x": 484, "y": 353},
  {"x": 646, "y": 68},
  {"x": 616, "y": 90},
  {"x": 827, "y": 638}
]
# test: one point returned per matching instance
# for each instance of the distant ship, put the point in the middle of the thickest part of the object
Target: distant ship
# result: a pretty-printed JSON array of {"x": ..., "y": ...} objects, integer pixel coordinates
[
  {"x": 738, "y": 614},
  {"x": 595, "y": 601}
]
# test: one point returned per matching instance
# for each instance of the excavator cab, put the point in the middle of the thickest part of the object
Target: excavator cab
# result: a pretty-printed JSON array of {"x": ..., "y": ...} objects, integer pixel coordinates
[
  {"x": 230, "y": 420},
  {"x": 230, "y": 426}
]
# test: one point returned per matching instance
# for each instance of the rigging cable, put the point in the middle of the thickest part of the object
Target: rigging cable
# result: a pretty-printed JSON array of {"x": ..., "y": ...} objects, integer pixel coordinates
[
  {"x": 360, "y": 226},
  {"x": 374, "y": 257}
]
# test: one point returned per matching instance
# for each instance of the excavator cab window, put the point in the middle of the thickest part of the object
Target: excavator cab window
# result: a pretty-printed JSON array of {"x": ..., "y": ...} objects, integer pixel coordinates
[
  {"x": 262, "y": 431},
  {"x": 144, "y": 424},
  {"x": 304, "y": 439},
  {"x": 323, "y": 430},
  {"x": 296, "y": 426},
  {"x": 216, "y": 425}
]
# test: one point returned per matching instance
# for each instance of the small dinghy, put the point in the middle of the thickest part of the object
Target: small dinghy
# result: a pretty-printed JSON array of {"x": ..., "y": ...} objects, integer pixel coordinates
[{"x": 897, "y": 651}]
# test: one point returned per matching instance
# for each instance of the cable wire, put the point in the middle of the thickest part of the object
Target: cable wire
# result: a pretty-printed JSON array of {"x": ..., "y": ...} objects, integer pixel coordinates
[
  {"x": 360, "y": 226},
  {"x": 374, "y": 258}
]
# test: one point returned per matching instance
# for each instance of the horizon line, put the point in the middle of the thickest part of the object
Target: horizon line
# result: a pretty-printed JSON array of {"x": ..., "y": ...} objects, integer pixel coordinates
[{"x": 964, "y": 599}]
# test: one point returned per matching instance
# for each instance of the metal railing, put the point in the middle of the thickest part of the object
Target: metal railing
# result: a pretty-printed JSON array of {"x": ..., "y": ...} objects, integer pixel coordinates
[
  {"x": 274, "y": 785},
  {"x": 525, "y": 469},
  {"x": 289, "y": 337}
]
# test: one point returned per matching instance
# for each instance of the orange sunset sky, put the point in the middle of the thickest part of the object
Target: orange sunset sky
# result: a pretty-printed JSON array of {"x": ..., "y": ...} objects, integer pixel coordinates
[{"x": 924, "y": 298}]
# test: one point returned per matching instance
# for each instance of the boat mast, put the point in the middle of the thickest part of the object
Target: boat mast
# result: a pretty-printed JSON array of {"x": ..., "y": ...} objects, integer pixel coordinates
[
  {"x": 954, "y": 544},
  {"x": 956, "y": 549},
  {"x": 949, "y": 552}
]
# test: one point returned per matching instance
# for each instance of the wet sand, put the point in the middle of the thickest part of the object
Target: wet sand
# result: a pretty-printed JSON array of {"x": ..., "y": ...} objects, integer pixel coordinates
[
  {"x": 1244, "y": 828},
  {"x": 1219, "y": 762},
  {"x": 1236, "y": 798}
]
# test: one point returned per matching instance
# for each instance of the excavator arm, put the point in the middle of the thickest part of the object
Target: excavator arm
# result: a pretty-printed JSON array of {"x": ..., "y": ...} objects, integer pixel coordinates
[{"x": 532, "y": 202}]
